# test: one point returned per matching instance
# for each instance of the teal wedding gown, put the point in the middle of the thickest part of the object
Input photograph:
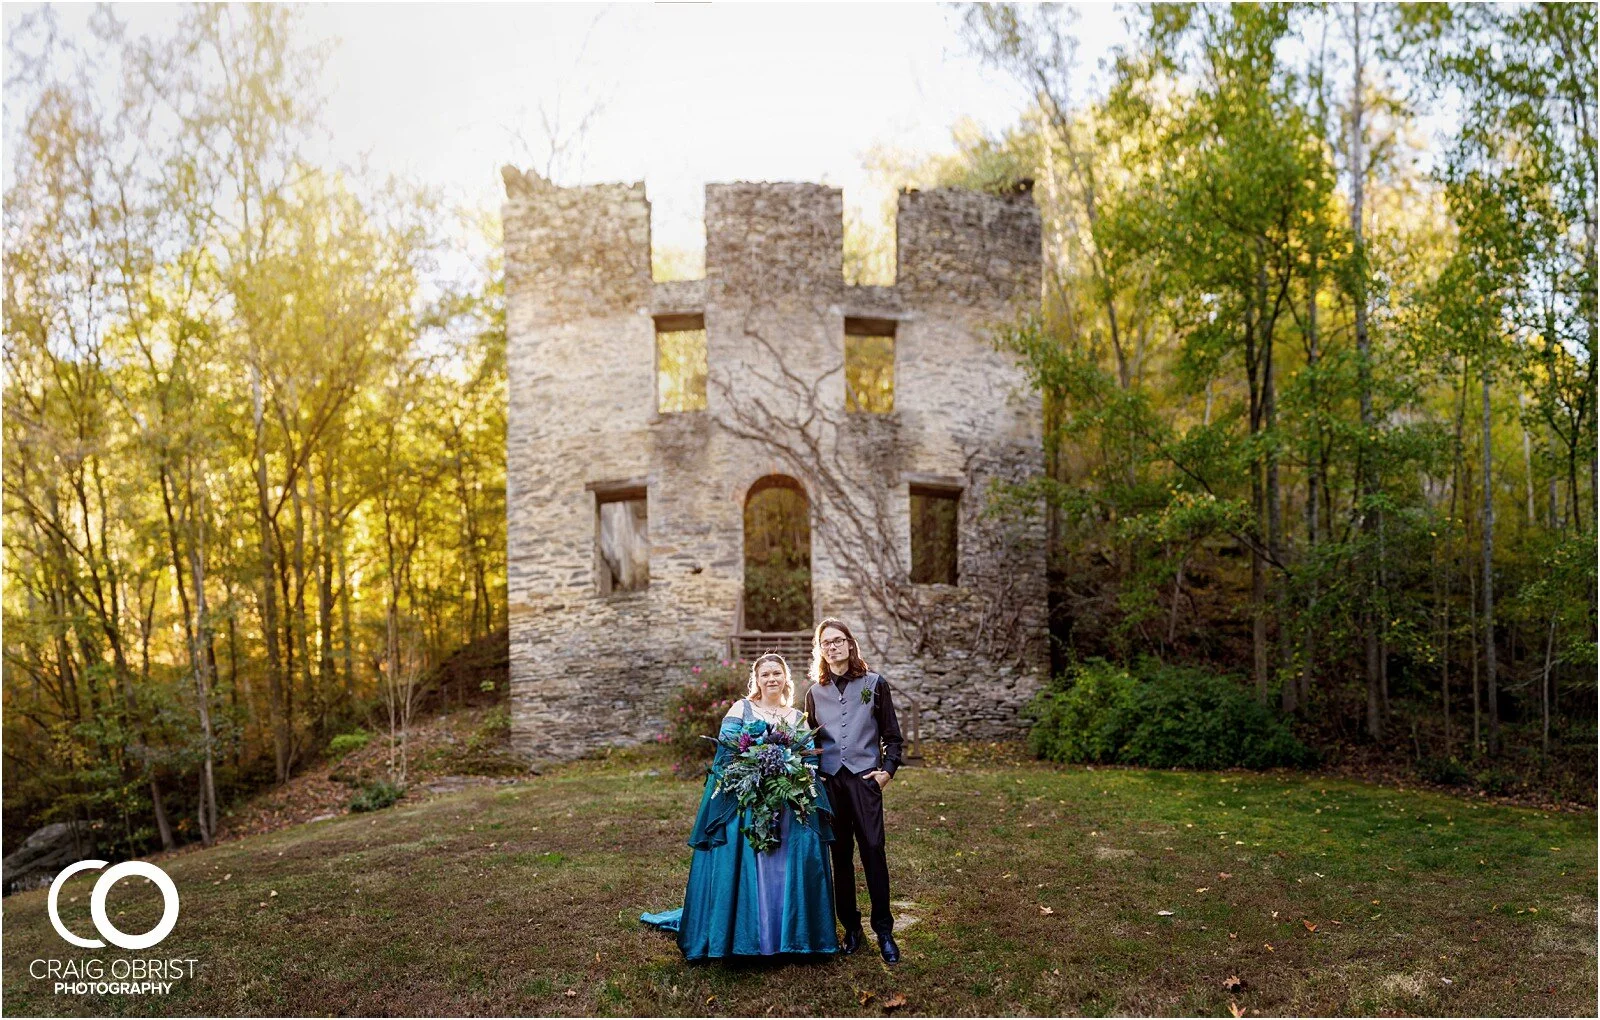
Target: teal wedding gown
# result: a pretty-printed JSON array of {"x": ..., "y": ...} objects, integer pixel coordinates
[{"x": 743, "y": 903}]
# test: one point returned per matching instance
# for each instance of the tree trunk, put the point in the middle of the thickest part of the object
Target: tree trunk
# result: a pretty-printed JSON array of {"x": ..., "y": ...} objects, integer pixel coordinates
[
  {"x": 1477, "y": 686},
  {"x": 1366, "y": 484},
  {"x": 163, "y": 825},
  {"x": 1527, "y": 456},
  {"x": 1491, "y": 692},
  {"x": 1544, "y": 689},
  {"x": 269, "y": 581},
  {"x": 325, "y": 666}
]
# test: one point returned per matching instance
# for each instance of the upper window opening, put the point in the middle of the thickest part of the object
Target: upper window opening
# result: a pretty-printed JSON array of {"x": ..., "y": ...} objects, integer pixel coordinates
[
  {"x": 869, "y": 365},
  {"x": 680, "y": 363}
]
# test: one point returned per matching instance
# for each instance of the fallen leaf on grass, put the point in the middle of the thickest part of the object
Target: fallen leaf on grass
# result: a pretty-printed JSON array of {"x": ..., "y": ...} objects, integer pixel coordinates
[
  {"x": 1233, "y": 983},
  {"x": 1269, "y": 947},
  {"x": 1204, "y": 888},
  {"x": 1046, "y": 911},
  {"x": 894, "y": 1001},
  {"x": 864, "y": 997},
  {"x": 709, "y": 999},
  {"x": 1235, "y": 1008},
  {"x": 1163, "y": 913},
  {"x": 1224, "y": 875},
  {"x": 1308, "y": 924},
  {"x": 570, "y": 993}
]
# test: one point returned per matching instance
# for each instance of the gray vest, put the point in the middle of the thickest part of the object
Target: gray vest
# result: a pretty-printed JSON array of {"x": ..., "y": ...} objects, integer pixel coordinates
[{"x": 848, "y": 729}]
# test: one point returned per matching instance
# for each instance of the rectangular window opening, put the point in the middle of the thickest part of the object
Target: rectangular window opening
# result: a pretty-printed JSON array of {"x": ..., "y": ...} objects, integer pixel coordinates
[
  {"x": 680, "y": 363},
  {"x": 622, "y": 540},
  {"x": 869, "y": 365},
  {"x": 934, "y": 516}
]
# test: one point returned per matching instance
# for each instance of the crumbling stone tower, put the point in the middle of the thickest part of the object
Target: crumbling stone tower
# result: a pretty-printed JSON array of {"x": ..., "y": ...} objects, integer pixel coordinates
[{"x": 626, "y": 526}]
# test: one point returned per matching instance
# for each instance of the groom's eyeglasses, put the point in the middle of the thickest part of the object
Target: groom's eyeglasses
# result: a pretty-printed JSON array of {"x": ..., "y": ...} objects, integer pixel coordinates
[{"x": 835, "y": 643}]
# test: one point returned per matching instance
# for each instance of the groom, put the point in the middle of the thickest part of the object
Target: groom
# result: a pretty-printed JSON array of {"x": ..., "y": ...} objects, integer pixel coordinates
[{"x": 859, "y": 737}]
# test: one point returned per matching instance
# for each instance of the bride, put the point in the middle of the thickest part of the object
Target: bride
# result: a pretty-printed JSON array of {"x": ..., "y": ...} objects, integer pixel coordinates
[{"x": 740, "y": 902}]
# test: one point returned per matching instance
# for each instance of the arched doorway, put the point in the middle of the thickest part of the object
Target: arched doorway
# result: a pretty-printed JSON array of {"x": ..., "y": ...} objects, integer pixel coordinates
[{"x": 777, "y": 556}]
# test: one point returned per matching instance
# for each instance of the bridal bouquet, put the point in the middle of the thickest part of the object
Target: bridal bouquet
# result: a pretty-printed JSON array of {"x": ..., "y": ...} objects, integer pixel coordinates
[{"x": 766, "y": 772}]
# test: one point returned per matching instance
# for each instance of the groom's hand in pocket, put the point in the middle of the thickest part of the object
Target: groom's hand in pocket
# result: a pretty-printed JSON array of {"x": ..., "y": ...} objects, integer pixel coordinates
[{"x": 879, "y": 776}]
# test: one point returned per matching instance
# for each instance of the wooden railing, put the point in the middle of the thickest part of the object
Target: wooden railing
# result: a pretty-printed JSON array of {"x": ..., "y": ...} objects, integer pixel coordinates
[{"x": 793, "y": 645}]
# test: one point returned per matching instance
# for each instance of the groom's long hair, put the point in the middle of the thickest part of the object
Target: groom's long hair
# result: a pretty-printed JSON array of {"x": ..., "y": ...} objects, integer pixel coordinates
[{"x": 819, "y": 666}]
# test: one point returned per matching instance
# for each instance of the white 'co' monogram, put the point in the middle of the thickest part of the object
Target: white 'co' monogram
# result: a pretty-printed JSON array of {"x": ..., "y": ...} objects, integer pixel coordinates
[{"x": 97, "y": 905}]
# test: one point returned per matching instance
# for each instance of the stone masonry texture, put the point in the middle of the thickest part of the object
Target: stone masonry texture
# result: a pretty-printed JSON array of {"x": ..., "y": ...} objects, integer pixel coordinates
[{"x": 590, "y": 669}]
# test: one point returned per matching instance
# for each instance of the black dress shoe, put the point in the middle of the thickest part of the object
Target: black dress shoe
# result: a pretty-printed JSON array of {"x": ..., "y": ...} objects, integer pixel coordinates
[
  {"x": 852, "y": 941},
  {"x": 890, "y": 951}
]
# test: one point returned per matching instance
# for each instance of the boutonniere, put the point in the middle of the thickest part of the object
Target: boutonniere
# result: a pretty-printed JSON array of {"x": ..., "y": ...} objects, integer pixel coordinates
[{"x": 866, "y": 695}]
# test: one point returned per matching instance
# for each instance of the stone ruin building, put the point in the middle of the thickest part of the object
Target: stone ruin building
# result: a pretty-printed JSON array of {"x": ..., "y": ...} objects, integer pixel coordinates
[{"x": 698, "y": 470}]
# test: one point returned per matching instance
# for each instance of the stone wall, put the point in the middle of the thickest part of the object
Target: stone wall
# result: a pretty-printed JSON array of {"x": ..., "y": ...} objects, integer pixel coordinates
[{"x": 590, "y": 669}]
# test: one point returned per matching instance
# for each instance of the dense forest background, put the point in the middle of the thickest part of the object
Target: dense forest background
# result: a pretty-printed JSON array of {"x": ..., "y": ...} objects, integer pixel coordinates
[
  {"x": 1319, "y": 365},
  {"x": 254, "y": 428},
  {"x": 1317, "y": 355}
]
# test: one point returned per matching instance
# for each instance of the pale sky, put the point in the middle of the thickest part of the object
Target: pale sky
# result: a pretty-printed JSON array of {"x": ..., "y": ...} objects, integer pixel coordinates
[{"x": 686, "y": 93}]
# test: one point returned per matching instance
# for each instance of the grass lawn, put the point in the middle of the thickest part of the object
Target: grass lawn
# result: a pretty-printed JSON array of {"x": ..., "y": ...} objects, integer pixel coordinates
[{"x": 1036, "y": 889}]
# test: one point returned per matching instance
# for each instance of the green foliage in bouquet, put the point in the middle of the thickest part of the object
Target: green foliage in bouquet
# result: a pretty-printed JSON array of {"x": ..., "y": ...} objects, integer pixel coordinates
[{"x": 766, "y": 772}]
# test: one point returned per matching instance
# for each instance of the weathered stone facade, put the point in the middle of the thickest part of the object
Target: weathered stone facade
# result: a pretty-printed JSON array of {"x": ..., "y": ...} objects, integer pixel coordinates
[{"x": 589, "y": 669}]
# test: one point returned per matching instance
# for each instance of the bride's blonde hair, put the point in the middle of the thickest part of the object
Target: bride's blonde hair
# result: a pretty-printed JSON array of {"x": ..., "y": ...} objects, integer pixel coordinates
[{"x": 787, "y": 697}]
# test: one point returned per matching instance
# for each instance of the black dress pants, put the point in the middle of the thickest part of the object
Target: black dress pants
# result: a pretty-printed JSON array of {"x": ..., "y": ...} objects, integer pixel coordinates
[{"x": 858, "y": 821}]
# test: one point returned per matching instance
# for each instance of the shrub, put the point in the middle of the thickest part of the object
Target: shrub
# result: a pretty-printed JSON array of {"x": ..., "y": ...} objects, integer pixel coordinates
[
  {"x": 1159, "y": 716},
  {"x": 1084, "y": 716},
  {"x": 1497, "y": 781},
  {"x": 1443, "y": 771},
  {"x": 696, "y": 709},
  {"x": 493, "y": 730},
  {"x": 344, "y": 743},
  {"x": 376, "y": 796}
]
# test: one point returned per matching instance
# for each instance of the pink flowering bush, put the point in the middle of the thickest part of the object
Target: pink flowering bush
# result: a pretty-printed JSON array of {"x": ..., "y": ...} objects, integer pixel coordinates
[{"x": 695, "y": 710}]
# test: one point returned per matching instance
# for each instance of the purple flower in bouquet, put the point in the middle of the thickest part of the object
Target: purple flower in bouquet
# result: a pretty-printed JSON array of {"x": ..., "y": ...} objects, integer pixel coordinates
[
  {"x": 772, "y": 760},
  {"x": 745, "y": 740}
]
